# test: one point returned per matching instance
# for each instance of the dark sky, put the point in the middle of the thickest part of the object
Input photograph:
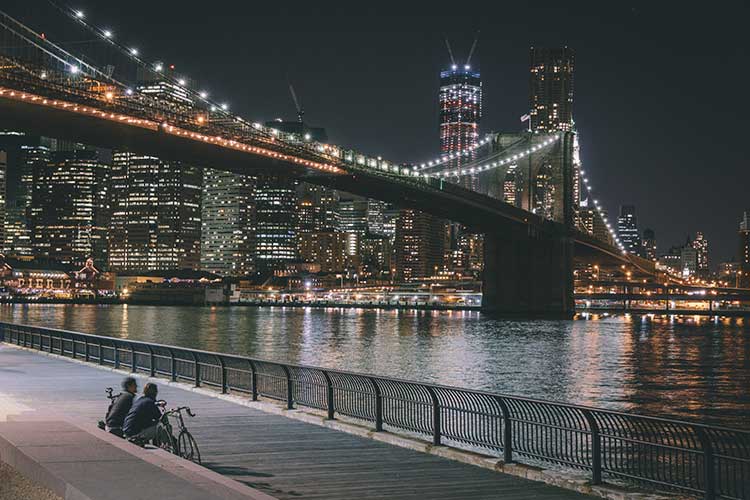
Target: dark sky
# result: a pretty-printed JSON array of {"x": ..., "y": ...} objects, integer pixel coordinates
[{"x": 661, "y": 92}]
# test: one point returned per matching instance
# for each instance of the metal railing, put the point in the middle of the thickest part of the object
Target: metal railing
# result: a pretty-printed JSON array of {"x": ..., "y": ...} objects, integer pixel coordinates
[{"x": 657, "y": 453}]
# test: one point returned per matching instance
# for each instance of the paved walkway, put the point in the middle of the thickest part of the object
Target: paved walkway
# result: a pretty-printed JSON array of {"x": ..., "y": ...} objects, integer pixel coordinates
[{"x": 283, "y": 457}]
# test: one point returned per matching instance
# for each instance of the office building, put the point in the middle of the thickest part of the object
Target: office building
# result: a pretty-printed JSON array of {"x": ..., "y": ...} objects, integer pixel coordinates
[
  {"x": 420, "y": 245},
  {"x": 353, "y": 221},
  {"x": 228, "y": 223},
  {"x": 375, "y": 255},
  {"x": 326, "y": 249},
  {"x": 688, "y": 261},
  {"x": 69, "y": 208},
  {"x": 700, "y": 243},
  {"x": 277, "y": 222},
  {"x": 551, "y": 89},
  {"x": 318, "y": 208},
  {"x": 627, "y": 229},
  {"x": 156, "y": 215},
  {"x": 649, "y": 244}
]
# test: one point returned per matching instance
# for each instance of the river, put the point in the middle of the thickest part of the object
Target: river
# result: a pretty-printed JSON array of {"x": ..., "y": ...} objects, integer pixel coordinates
[{"x": 694, "y": 368}]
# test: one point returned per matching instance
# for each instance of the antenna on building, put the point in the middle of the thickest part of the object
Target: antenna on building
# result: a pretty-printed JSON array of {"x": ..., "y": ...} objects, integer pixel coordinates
[
  {"x": 450, "y": 51},
  {"x": 473, "y": 46},
  {"x": 300, "y": 111}
]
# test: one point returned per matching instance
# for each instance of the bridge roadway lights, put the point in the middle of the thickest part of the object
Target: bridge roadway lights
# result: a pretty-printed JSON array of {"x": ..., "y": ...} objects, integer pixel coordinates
[{"x": 528, "y": 275}]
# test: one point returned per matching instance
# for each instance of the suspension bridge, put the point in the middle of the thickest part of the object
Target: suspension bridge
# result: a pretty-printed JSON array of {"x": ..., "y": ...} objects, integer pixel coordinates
[{"x": 96, "y": 94}]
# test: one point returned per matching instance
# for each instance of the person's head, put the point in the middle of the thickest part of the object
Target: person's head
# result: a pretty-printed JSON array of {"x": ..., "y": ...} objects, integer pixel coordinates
[
  {"x": 129, "y": 384},
  {"x": 150, "y": 390}
]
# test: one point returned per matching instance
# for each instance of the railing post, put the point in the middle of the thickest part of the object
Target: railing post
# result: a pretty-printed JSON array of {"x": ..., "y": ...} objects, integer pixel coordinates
[
  {"x": 329, "y": 396},
  {"x": 85, "y": 347},
  {"x": 197, "y": 378},
  {"x": 133, "y": 366},
  {"x": 172, "y": 366},
  {"x": 101, "y": 351},
  {"x": 72, "y": 347},
  {"x": 224, "y": 382},
  {"x": 436, "y": 431},
  {"x": 507, "y": 432},
  {"x": 289, "y": 388},
  {"x": 378, "y": 405},
  {"x": 709, "y": 472},
  {"x": 117, "y": 355},
  {"x": 253, "y": 380},
  {"x": 151, "y": 362},
  {"x": 596, "y": 448}
]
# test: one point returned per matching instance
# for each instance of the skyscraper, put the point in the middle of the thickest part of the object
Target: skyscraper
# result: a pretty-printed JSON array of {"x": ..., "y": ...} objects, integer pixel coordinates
[
  {"x": 744, "y": 250},
  {"x": 277, "y": 221},
  {"x": 460, "y": 99},
  {"x": 420, "y": 245},
  {"x": 551, "y": 89},
  {"x": 69, "y": 208},
  {"x": 228, "y": 223},
  {"x": 3, "y": 196},
  {"x": 156, "y": 214},
  {"x": 353, "y": 221},
  {"x": 649, "y": 244},
  {"x": 627, "y": 229},
  {"x": 700, "y": 243}
]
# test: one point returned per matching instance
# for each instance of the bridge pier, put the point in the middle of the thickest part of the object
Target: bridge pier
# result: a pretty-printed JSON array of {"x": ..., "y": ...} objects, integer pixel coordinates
[{"x": 528, "y": 275}]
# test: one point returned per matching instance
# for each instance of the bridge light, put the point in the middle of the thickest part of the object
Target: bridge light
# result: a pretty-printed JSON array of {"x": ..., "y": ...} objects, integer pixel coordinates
[
  {"x": 79, "y": 14},
  {"x": 158, "y": 67},
  {"x": 134, "y": 51},
  {"x": 466, "y": 66},
  {"x": 43, "y": 75},
  {"x": 308, "y": 137},
  {"x": 454, "y": 67},
  {"x": 107, "y": 34},
  {"x": 203, "y": 94},
  {"x": 74, "y": 69},
  {"x": 181, "y": 81},
  {"x": 225, "y": 106},
  {"x": 129, "y": 91}
]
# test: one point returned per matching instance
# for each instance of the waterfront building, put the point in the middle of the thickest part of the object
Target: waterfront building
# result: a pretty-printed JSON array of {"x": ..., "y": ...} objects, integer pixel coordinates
[
  {"x": 551, "y": 89},
  {"x": 354, "y": 222},
  {"x": 375, "y": 256},
  {"x": 318, "y": 208},
  {"x": 672, "y": 259},
  {"x": 277, "y": 222},
  {"x": 376, "y": 216},
  {"x": 744, "y": 250},
  {"x": 649, "y": 244},
  {"x": 156, "y": 214},
  {"x": 627, "y": 229},
  {"x": 69, "y": 208},
  {"x": 688, "y": 261},
  {"x": 420, "y": 245},
  {"x": 228, "y": 223},
  {"x": 700, "y": 244},
  {"x": 326, "y": 249}
]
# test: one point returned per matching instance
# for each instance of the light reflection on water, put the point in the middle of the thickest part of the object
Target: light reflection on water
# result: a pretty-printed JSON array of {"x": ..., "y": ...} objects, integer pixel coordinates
[{"x": 688, "y": 367}]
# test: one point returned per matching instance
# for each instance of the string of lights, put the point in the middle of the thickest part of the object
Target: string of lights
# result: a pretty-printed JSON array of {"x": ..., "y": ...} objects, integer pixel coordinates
[
  {"x": 457, "y": 154},
  {"x": 598, "y": 209}
]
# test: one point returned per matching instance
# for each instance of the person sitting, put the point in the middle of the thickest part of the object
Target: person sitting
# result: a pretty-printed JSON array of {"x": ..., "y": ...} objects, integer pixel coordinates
[
  {"x": 120, "y": 407},
  {"x": 140, "y": 423}
]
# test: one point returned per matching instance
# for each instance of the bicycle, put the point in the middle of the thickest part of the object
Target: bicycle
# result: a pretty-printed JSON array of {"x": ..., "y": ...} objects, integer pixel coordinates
[
  {"x": 184, "y": 444},
  {"x": 112, "y": 397}
]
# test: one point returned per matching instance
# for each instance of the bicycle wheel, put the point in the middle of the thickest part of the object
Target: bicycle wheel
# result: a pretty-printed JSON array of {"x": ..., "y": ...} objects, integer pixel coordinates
[
  {"x": 165, "y": 440},
  {"x": 188, "y": 448}
]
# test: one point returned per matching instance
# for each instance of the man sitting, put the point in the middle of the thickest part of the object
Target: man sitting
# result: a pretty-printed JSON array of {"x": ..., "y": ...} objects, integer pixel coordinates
[
  {"x": 121, "y": 406},
  {"x": 140, "y": 423}
]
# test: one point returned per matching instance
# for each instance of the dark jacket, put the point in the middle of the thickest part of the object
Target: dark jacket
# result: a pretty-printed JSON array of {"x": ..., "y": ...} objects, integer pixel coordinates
[
  {"x": 142, "y": 415},
  {"x": 119, "y": 409}
]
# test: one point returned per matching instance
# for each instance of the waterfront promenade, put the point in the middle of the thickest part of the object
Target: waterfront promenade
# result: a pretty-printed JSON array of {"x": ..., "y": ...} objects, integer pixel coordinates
[{"x": 282, "y": 457}]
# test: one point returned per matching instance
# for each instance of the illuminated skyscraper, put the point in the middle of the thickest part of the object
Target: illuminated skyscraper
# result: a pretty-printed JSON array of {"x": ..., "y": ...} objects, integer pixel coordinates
[
  {"x": 627, "y": 229},
  {"x": 551, "y": 89},
  {"x": 3, "y": 197},
  {"x": 420, "y": 245},
  {"x": 228, "y": 223},
  {"x": 276, "y": 208},
  {"x": 744, "y": 250},
  {"x": 700, "y": 243},
  {"x": 69, "y": 208},
  {"x": 460, "y": 99},
  {"x": 156, "y": 214},
  {"x": 649, "y": 244}
]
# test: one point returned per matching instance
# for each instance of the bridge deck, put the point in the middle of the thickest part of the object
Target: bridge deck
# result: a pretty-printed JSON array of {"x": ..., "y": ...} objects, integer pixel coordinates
[{"x": 283, "y": 457}]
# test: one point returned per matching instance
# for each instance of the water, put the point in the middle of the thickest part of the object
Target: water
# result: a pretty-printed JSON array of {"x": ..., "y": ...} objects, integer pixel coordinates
[{"x": 686, "y": 367}]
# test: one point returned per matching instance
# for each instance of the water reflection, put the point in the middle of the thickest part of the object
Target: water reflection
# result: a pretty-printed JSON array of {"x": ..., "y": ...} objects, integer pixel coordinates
[{"x": 688, "y": 367}]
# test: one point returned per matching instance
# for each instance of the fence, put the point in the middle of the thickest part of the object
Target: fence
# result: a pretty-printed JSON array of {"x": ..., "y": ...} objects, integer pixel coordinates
[{"x": 656, "y": 453}]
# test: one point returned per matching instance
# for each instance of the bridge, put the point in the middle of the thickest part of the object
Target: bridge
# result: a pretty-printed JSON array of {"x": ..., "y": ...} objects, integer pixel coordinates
[{"x": 97, "y": 96}]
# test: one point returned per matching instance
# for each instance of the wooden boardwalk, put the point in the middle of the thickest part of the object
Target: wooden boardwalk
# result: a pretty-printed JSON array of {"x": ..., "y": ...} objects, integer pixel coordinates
[{"x": 283, "y": 457}]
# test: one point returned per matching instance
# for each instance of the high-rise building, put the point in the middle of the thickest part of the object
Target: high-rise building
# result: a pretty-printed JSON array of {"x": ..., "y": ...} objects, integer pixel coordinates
[
  {"x": 688, "y": 261},
  {"x": 325, "y": 248},
  {"x": 277, "y": 222},
  {"x": 627, "y": 229},
  {"x": 460, "y": 99},
  {"x": 353, "y": 221},
  {"x": 318, "y": 208},
  {"x": 700, "y": 243},
  {"x": 69, "y": 208},
  {"x": 3, "y": 196},
  {"x": 744, "y": 251},
  {"x": 156, "y": 214},
  {"x": 551, "y": 89},
  {"x": 649, "y": 244},
  {"x": 420, "y": 245},
  {"x": 228, "y": 223}
]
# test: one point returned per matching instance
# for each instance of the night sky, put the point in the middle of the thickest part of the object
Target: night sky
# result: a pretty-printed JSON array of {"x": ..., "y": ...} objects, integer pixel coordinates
[{"x": 661, "y": 92}]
